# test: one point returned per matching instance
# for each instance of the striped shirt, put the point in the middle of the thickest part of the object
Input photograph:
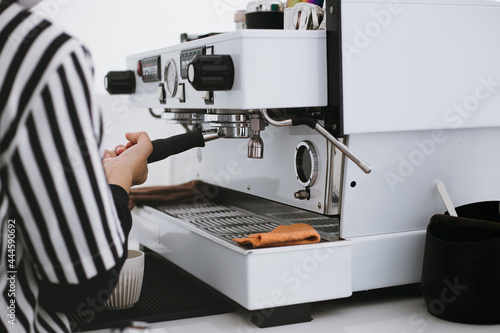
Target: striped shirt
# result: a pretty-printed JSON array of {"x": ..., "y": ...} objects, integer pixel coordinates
[{"x": 63, "y": 228}]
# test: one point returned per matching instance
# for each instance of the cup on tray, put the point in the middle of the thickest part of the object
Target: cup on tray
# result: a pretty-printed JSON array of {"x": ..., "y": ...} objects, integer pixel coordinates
[{"x": 128, "y": 288}]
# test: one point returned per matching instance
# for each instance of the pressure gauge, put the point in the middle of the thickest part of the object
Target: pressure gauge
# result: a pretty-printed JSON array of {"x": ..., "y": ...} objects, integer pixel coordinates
[{"x": 171, "y": 78}]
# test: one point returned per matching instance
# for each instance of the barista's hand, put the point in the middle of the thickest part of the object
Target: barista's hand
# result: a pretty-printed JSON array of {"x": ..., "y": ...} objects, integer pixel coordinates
[
  {"x": 117, "y": 151},
  {"x": 127, "y": 165}
]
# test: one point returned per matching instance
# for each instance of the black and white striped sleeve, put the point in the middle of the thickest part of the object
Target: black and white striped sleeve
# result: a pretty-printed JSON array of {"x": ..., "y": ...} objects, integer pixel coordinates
[{"x": 57, "y": 182}]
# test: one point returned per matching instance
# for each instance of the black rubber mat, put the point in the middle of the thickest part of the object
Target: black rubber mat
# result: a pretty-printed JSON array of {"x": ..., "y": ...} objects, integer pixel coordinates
[{"x": 168, "y": 293}]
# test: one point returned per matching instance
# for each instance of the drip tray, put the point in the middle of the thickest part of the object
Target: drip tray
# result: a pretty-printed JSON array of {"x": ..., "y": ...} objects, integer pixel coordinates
[
  {"x": 168, "y": 293},
  {"x": 198, "y": 237}
]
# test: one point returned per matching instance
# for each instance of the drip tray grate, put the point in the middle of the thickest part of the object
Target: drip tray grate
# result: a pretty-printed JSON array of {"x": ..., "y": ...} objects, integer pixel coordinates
[{"x": 238, "y": 215}]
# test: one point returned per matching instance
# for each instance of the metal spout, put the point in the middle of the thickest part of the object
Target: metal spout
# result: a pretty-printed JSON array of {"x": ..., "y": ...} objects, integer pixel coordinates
[{"x": 256, "y": 146}]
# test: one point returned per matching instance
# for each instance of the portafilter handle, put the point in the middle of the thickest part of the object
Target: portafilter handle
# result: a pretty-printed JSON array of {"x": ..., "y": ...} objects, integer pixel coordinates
[{"x": 163, "y": 148}]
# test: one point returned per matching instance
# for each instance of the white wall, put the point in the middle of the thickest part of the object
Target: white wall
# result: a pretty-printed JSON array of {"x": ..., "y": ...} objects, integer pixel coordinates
[{"x": 113, "y": 29}]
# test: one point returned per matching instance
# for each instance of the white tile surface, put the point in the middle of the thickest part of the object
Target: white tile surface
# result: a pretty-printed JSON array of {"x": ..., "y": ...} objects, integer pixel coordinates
[{"x": 398, "y": 310}]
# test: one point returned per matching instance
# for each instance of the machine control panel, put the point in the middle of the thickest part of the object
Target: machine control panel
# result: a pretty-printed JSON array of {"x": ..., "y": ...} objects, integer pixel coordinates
[
  {"x": 150, "y": 69},
  {"x": 234, "y": 70}
]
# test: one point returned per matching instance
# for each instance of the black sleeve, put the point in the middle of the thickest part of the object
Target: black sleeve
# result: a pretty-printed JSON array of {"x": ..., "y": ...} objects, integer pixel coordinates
[{"x": 120, "y": 198}]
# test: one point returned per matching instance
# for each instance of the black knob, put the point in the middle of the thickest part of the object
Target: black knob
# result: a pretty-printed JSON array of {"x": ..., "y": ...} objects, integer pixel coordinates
[
  {"x": 120, "y": 82},
  {"x": 211, "y": 72}
]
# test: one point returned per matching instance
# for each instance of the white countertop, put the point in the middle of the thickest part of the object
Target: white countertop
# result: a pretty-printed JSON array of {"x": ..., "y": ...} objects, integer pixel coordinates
[{"x": 399, "y": 310}]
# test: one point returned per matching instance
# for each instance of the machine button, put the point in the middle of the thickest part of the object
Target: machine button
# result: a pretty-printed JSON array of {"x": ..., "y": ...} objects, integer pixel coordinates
[
  {"x": 181, "y": 95},
  {"x": 205, "y": 95},
  {"x": 211, "y": 72},
  {"x": 122, "y": 82},
  {"x": 139, "y": 68},
  {"x": 162, "y": 96}
]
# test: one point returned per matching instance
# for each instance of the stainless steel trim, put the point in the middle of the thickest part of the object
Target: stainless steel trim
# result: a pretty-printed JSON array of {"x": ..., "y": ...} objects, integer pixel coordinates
[
  {"x": 232, "y": 126},
  {"x": 334, "y": 181},
  {"x": 182, "y": 118},
  {"x": 227, "y": 118},
  {"x": 229, "y": 132}
]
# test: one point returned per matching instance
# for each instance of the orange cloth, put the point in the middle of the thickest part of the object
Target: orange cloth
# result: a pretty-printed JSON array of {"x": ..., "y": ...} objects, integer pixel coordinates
[
  {"x": 194, "y": 191},
  {"x": 295, "y": 234}
]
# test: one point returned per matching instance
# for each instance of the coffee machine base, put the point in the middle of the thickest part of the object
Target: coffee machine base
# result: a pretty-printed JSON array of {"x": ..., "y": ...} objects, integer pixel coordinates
[{"x": 269, "y": 281}]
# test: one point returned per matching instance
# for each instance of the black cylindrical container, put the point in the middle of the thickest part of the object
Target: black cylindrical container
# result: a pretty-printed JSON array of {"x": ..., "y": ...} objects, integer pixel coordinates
[
  {"x": 264, "y": 20},
  {"x": 461, "y": 268},
  {"x": 265, "y": 14}
]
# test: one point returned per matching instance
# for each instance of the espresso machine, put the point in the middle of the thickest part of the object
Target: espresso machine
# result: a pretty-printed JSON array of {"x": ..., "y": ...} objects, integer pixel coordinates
[{"x": 348, "y": 129}]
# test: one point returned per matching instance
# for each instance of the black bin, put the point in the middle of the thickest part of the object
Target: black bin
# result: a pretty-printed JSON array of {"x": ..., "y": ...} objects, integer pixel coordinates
[{"x": 461, "y": 268}]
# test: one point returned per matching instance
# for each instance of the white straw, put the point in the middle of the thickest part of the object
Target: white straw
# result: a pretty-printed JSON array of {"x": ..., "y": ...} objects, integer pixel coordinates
[{"x": 446, "y": 199}]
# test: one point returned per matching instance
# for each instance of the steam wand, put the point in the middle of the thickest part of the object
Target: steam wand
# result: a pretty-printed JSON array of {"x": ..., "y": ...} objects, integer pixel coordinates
[{"x": 313, "y": 123}]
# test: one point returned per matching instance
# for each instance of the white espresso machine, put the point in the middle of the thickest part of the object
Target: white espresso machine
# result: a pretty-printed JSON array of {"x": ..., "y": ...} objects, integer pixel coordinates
[{"x": 348, "y": 130}]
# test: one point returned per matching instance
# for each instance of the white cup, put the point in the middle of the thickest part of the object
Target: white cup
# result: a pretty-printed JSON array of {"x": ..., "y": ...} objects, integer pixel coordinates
[
  {"x": 305, "y": 16},
  {"x": 128, "y": 288}
]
